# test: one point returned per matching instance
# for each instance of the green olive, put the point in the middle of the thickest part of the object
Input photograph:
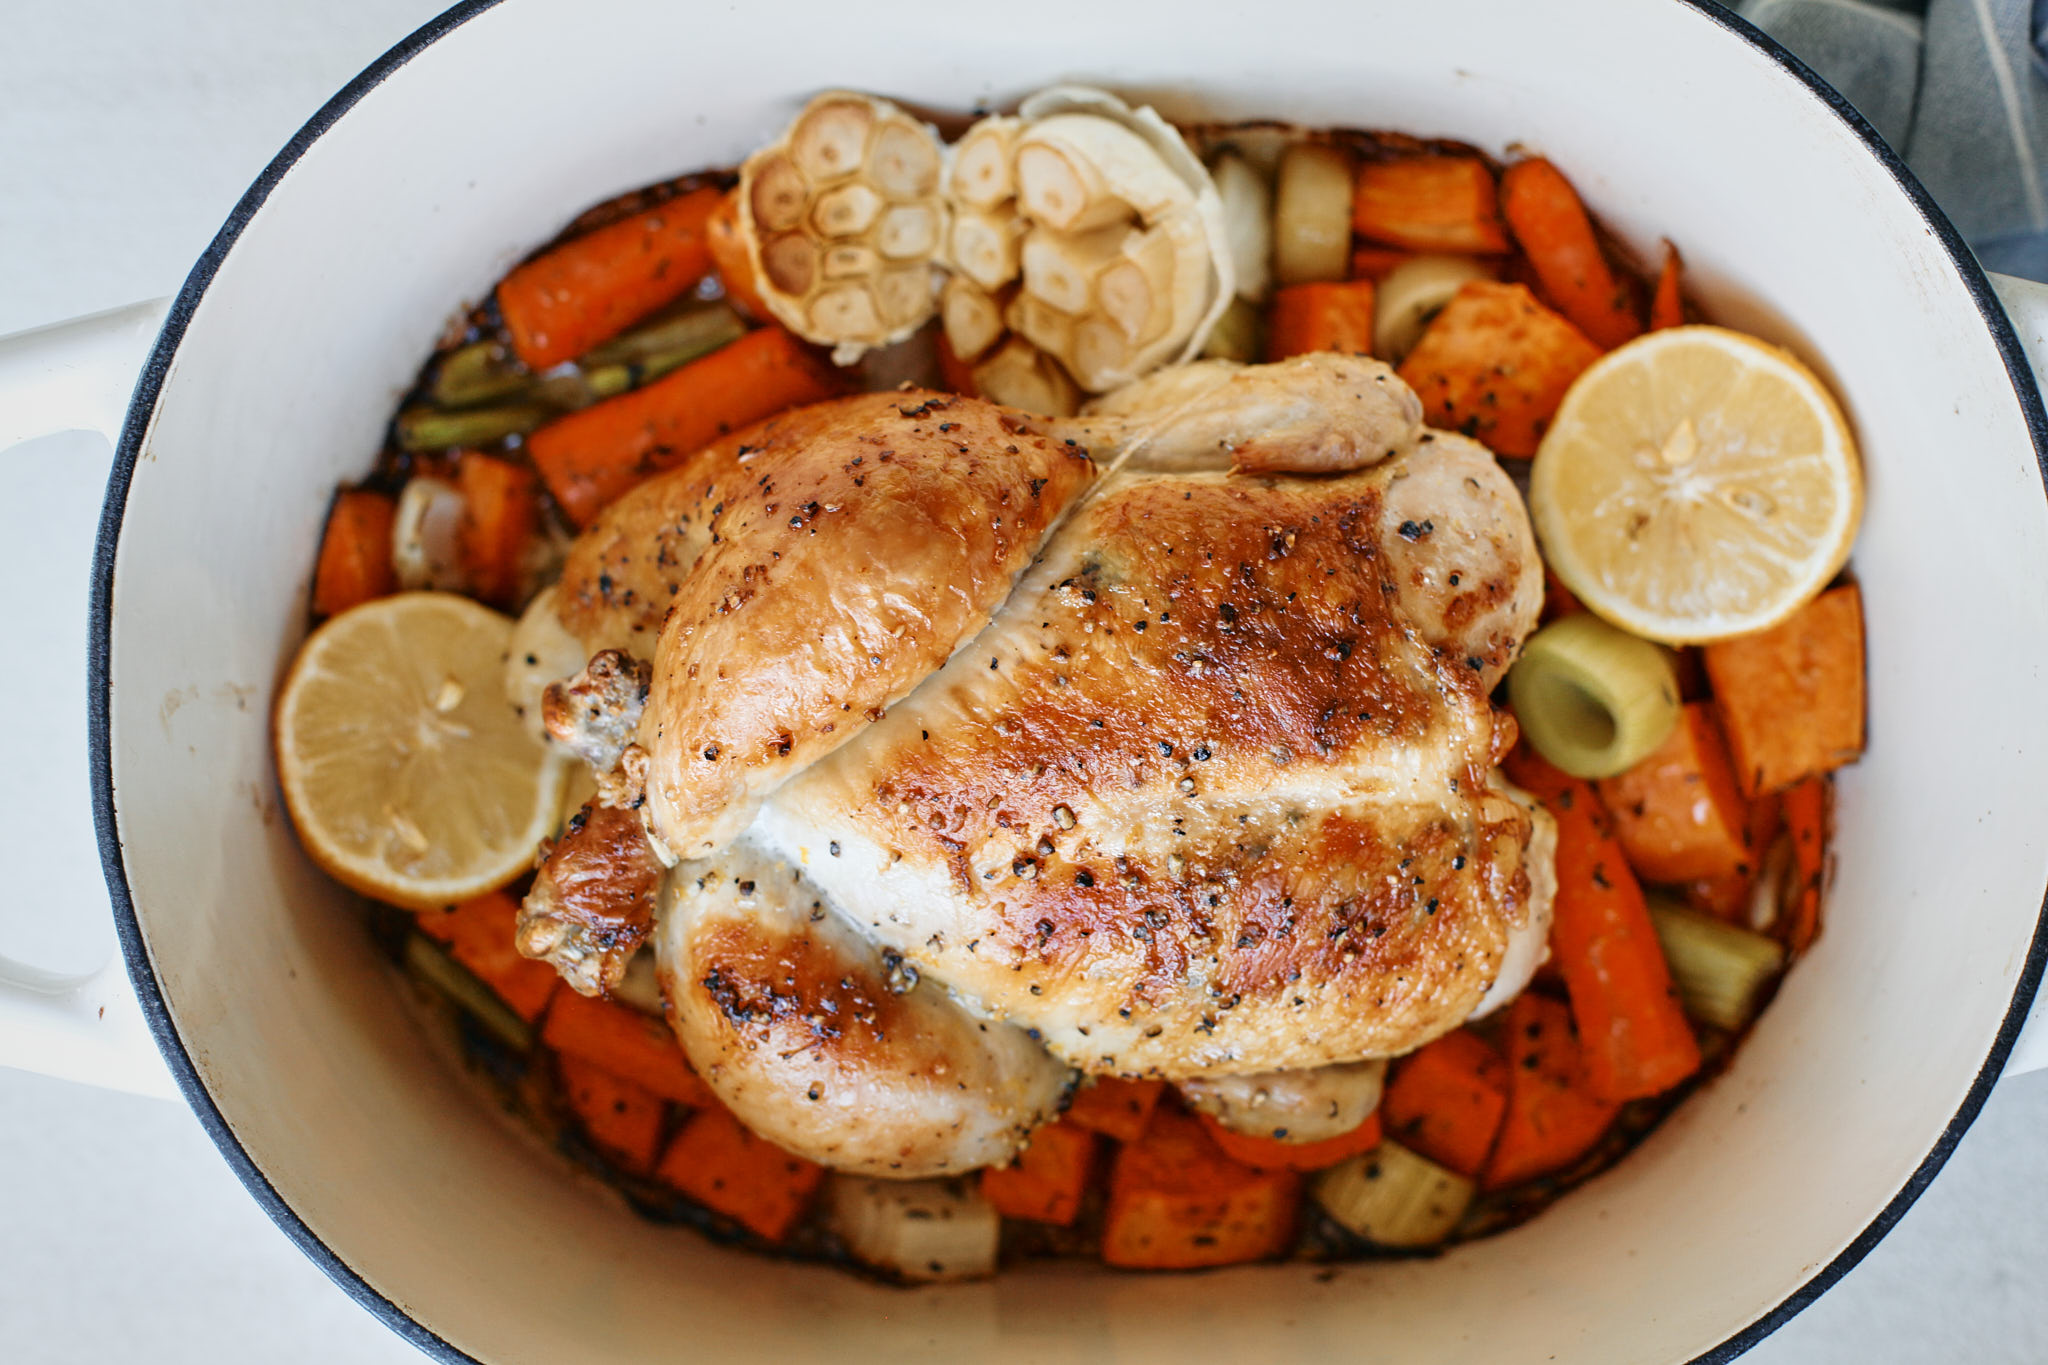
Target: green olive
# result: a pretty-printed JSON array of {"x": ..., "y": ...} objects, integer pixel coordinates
[{"x": 1593, "y": 699}]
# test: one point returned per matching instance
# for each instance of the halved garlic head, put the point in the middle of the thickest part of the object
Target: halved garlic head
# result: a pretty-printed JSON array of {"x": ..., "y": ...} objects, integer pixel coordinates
[
  {"x": 843, "y": 216},
  {"x": 1087, "y": 248}
]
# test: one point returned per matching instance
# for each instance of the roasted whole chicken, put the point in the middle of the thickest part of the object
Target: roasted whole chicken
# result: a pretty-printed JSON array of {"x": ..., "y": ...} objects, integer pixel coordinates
[{"x": 946, "y": 751}]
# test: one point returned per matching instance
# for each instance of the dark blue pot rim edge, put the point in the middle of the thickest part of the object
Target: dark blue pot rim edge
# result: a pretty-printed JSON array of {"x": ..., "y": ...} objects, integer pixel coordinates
[{"x": 128, "y": 450}]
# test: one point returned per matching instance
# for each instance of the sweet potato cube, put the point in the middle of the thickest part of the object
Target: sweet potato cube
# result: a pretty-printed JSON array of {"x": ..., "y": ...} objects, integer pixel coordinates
[
  {"x": 621, "y": 1118},
  {"x": 626, "y": 1043},
  {"x": 1115, "y": 1108},
  {"x": 1791, "y": 697},
  {"x": 1495, "y": 364},
  {"x": 1429, "y": 203},
  {"x": 1176, "y": 1203},
  {"x": 1551, "y": 1120},
  {"x": 1046, "y": 1181},
  {"x": 1446, "y": 1101},
  {"x": 355, "y": 553},
  {"x": 1321, "y": 317},
  {"x": 717, "y": 1162},
  {"x": 1677, "y": 813},
  {"x": 478, "y": 934}
]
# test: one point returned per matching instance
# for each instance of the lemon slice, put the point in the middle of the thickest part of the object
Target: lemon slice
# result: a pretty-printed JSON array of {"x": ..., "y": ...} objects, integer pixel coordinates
[
  {"x": 408, "y": 774},
  {"x": 1696, "y": 484}
]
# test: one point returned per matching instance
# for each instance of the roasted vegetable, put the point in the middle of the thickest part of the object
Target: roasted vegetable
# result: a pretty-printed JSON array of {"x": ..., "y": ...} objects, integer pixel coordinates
[
  {"x": 1557, "y": 236},
  {"x": 1312, "y": 214},
  {"x": 1720, "y": 969},
  {"x": 1593, "y": 700},
  {"x": 355, "y": 553},
  {"x": 1791, "y": 697},
  {"x": 1393, "y": 1197},
  {"x": 1637, "y": 1042},
  {"x": 920, "y": 1230},
  {"x": 593, "y": 287}
]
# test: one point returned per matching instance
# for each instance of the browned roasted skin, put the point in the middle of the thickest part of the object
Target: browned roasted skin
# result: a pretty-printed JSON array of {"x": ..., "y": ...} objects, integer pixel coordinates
[
  {"x": 595, "y": 714},
  {"x": 1204, "y": 800},
  {"x": 829, "y": 1046},
  {"x": 852, "y": 547},
  {"x": 592, "y": 904}
]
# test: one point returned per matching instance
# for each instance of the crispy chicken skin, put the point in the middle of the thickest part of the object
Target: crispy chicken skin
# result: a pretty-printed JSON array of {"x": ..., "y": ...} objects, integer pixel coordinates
[
  {"x": 592, "y": 904},
  {"x": 1321, "y": 413},
  {"x": 827, "y": 1045},
  {"x": 853, "y": 546},
  {"x": 1201, "y": 801},
  {"x": 1208, "y": 793}
]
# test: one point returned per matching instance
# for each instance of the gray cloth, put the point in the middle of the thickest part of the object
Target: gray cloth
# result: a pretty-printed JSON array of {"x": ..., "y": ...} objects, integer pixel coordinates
[{"x": 1956, "y": 86}]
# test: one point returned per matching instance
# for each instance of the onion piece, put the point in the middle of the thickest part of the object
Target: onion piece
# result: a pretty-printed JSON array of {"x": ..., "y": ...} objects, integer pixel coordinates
[
  {"x": 426, "y": 536},
  {"x": 1312, "y": 214},
  {"x": 922, "y": 1230}
]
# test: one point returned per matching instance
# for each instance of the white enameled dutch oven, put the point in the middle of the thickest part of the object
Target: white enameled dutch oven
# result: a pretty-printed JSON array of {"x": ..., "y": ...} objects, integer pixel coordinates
[{"x": 277, "y": 366}]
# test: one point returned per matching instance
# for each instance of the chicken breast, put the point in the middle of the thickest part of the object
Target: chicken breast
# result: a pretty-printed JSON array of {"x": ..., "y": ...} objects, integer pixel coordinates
[
  {"x": 829, "y": 1046},
  {"x": 852, "y": 547},
  {"x": 1203, "y": 799}
]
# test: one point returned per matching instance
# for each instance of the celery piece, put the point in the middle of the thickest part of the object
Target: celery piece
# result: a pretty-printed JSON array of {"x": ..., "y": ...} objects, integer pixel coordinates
[
  {"x": 689, "y": 334},
  {"x": 426, "y": 428},
  {"x": 1592, "y": 699},
  {"x": 476, "y": 373},
  {"x": 428, "y": 961},
  {"x": 1392, "y": 1197},
  {"x": 1718, "y": 967}
]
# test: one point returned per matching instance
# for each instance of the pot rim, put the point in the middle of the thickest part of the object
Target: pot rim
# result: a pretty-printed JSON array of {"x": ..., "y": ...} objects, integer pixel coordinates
[{"x": 106, "y": 820}]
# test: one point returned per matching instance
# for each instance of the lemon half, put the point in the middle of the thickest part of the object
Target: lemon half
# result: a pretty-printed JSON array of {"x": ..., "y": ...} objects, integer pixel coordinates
[
  {"x": 408, "y": 774},
  {"x": 1696, "y": 484}
]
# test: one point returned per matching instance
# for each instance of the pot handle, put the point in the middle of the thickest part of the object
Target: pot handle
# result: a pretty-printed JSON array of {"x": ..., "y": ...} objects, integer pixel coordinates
[
  {"x": 75, "y": 376},
  {"x": 2026, "y": 303}
]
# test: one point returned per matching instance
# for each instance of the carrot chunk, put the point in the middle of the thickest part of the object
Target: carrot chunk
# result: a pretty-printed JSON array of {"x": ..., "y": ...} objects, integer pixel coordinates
[
  {"x": 1677, "y": 813},
  {"x": 1633, "y": 1031},
  {"x": 1320, "y": 317},
  {"x": 355, "y": 553},
  {"x": 591, "y": 457},
  {"x": 501, "y": 516},
  {"x": 1428, "y": 203},
  {"x": 621, "y": 1118},
  {"x": 736, "y": 272},
  {"x": 1377, "y": 262},
  {"x": 1495, "y": 364},
  {"x": 1791, "y": 697},
  {"x": 1046, "y": 1181},
  {"x": 1557, "y": 235},
  {"x": 717, "y": 1162},
  {"x": 1806, "y": 820},
  {"x": 1557, "y": 598},
  {"x": 593, "y": 287},
  {"x": 1446, "y": 1101},
  {"x": 1667, "y": 301},
  {"x": 626, "y": 1043},
  {"x": 1272, "y": 1154},
  {"x": 478, "y": 934},
  {"x": 1551, "y": 1119},
  {"x": 1115, "y": 1108},
  {"x": 1176, "y": 1202}
]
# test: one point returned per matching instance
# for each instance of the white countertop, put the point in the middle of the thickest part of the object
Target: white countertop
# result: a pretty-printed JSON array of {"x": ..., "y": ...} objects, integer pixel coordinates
[{"x": 128, "y": 128}]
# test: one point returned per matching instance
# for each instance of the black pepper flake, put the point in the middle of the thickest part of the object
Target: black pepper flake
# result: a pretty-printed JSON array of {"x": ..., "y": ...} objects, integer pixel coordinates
[
  {"x": 834, "y": 847},
  {"x": 1416, "y": 530},
  {"x": 710, "y": 753}
]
